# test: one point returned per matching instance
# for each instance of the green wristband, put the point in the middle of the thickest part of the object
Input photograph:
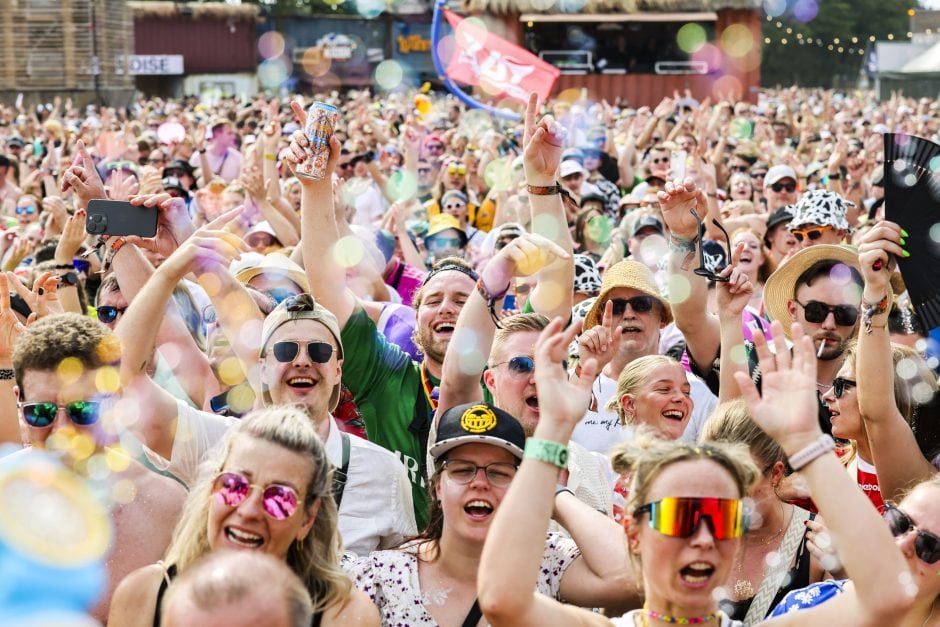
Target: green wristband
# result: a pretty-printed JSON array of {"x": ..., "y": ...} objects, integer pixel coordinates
[{"x": 554, "y": 453}]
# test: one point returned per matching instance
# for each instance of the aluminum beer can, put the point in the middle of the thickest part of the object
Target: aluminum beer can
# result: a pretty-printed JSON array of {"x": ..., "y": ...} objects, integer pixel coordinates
[{"x": 321, "y": 122}]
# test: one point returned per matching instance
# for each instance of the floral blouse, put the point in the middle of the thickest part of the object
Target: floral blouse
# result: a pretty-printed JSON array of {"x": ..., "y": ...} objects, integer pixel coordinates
[{"x": 390, "y": 578}]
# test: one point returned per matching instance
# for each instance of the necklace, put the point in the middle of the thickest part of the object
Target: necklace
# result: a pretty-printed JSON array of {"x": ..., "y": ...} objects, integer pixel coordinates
[
  {"x": 743, "y": 588},
  {"x": 674, "y": 620}
]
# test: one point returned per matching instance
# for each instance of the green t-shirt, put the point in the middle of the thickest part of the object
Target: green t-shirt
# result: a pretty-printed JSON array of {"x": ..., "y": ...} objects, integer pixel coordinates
[{"x": 386, "y": 385}]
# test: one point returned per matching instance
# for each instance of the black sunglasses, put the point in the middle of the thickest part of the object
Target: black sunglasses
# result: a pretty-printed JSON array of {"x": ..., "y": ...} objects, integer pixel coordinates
[
  {"x": 926, "y": 546},
  {"x": 779, "y": 187},
  {"x": 42, "y": 415},
  {"x": 108, "y": 314},
  {"x": 702, "y": 269},
  {"x": 839, "y": 384},
  {"x": 286, "y": 351},
  {"x": 816, "y": 312},
  {"x": 639, "y": 304},
  {"x": 740, "y": 168}
]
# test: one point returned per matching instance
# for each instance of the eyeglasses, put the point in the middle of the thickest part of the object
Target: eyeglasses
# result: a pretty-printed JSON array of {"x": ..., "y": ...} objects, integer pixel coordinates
[
  {"x": 499, "y": 474},
  {"x": 456, "y": 169},
  {"x": 28, "y": 210},
  {"x": 817, "y": 312},
  {"x": 278, "y": 501},
  {"x": 758, "y": 175},
  {"x": 108, "y": 314},
  {"x": 679, "y": 517},
  {"x": 639, "y": 304},
  {"x": 703, "y": 270},
  {"x": 81, "y": 265},
  {"x": 813, "y": 234},
  {"x": 926, "y": 546},
  {"x": 42, "y": 415},
  {"x": 443, "y": 243},
  {"x": 839, "y": 384},
  {"x": 740, "y": 168},
  {"x": 286, "y": 351},
  {"x": 521, "y": 365},
  {"x": 788, "y": 187}
]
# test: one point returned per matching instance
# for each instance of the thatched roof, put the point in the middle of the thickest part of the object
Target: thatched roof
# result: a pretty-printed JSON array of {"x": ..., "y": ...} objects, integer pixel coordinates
[
  {"x": 196, "y": 10},
  {"x": 607, "y": 6}
]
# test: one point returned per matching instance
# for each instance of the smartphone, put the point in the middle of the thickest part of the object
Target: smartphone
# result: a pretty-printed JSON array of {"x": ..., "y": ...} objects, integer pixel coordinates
[{"x": 118, "y": 217}]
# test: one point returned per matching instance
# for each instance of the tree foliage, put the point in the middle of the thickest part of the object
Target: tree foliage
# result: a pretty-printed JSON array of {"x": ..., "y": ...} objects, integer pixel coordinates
[{"x": 815, "y": 65}]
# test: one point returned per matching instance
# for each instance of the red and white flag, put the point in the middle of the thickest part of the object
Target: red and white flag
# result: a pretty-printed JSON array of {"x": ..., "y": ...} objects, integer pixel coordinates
[{"x": 499, "y": 67}]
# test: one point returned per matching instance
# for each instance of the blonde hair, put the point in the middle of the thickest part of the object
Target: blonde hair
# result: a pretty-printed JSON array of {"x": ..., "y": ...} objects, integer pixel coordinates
[
  {"x": 634, "y": 375},
  {"x": 646, "y": 457},
  {"x": 316, "y": 558},
  {"x": 731, "y": 422},
  {"x": 511, "y": 325}
]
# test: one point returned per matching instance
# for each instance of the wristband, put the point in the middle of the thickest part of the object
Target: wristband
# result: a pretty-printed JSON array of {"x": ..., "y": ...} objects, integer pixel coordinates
[
  {"x": 6, "y": 374},
  {"x": 870, "y": 310},
  {"x": 270, "y": 157},
  {"x": 202, "y": 151},
  {"x": 64, "y": 266},
  {"x": 562, "y": 488},
  {"x": 815, "y": 449},
  {"x": 549, "y": 190},
  {"x": 681, "y": 245},
  {"x": 547, "y": 451},
  {"x": 491, "y": 300},
  {"x": 835, "y": 177}
]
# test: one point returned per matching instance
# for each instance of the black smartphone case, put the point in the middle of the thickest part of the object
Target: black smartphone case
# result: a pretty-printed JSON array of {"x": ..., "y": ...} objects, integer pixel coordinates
[{"x": 117, "y": 217}]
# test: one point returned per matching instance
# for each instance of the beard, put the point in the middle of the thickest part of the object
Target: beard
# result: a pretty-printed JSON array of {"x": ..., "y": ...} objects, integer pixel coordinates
[
  {"x": 432, "y": 349},
  {"x": 833, "y": 351}
]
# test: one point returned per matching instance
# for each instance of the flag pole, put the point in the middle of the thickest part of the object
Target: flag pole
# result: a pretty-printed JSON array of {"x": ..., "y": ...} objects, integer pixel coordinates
[{"x": 452, "y": 87}]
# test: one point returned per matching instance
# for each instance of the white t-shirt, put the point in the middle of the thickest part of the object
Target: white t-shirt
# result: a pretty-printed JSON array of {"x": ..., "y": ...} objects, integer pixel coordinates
[{"x": 600, "y": 430}]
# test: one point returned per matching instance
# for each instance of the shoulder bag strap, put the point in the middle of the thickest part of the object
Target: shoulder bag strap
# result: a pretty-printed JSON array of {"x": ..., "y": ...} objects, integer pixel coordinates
[
  {"x": 474, "y": 615},
  {"x": 768, "y": 587},
  {"x": 340, "y": 474}
]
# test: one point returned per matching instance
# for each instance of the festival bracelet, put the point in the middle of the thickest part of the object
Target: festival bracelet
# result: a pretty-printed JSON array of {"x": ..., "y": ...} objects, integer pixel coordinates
[
  {"x": 814, "y": 450},
  {"x": 547, "y": 451},
  {"x": 681, "y": 244},
  {"x": 870, "y": 310}
]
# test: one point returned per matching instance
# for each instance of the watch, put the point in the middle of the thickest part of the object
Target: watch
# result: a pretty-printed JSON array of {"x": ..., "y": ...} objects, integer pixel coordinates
[
  {"x": 69, "y": 278},
  {"x": 549, "y": 190},
  {"x": 549, "y": 451},
  {"x": 815, "y": 449}
]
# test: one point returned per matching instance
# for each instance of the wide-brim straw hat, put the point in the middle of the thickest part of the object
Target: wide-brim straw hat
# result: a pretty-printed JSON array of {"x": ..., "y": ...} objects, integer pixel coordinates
[
  {"x": 780, "y": 286},
  {"x": 631, "y": 274}
]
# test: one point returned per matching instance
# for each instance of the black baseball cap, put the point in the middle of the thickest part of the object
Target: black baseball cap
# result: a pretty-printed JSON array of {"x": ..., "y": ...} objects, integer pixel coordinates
[
  {"x": 178, "y": 164},
  {"x": 780, "y": 216},
  {"x": 477, "y": 422}
]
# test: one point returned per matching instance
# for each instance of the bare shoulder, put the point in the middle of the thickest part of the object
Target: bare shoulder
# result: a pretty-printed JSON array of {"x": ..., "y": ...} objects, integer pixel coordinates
[
  {"x": 359, "y": 610},
  {"x": 135, "y": 599}
]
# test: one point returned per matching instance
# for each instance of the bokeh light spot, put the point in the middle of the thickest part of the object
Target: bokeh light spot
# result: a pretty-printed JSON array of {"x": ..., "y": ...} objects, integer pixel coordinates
[
  {"x": 736, "y": 40},
  {"x": 691, "y": 37},
  {"x": 271, "y": 44},
  {"x": 348, "y": 252},
  {"x": 107, "y": 380},
  {"x": 389, "y": 74},
  {"x": 230, "y": 371},
  {"x": 70, "y": 370}
]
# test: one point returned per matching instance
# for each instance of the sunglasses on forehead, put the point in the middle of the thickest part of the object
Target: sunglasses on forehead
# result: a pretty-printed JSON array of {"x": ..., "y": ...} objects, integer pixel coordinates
[
  {"x": 278, "y": 501},
  {"x": 679, "y": 517},
  {"x": 42, "y": 415},
  {"x": 812, "y": 234},
  {"x": 287, "y": 351},
  {"x": 817, "y": 312},
  {"x": 926, "y": 546}
]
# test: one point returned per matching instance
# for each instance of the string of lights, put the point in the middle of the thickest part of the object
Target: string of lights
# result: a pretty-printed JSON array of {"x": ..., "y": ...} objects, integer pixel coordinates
[{"x": 840, "y": 45}]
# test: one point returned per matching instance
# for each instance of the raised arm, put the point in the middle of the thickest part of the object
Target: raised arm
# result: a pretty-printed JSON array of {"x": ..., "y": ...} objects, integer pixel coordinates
[
  {"x": 10, "y": 329},
  {"x": 469, "y": 350},
  {"x": 898, "y": 458},
  {"x": 542, "y": 147},
  {"x": 688, "y": 292},
  {"x": 786, "y": 410},
  {"x": 516, "y": 540},
  {"x": 733, "y": 297},
  {"x": 319, "y": 231}
]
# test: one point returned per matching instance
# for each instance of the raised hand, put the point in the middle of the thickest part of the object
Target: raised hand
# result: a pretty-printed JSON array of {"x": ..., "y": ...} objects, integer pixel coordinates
[
  {"x": 72, "y": 237},
  {"x": 10, "y": 326},
  {"x": 735, "y": 294},
  {"x": 601, "y": 342},
  {"x": 523, "y": 256},
  {"x": 210, "y": 249},
  {"x": 173, "y": 223},
  {"x": 122, "y": 185},
  {"x": 542, "y": 146},
  {"x": 786, "y": 406},
  {"x": 675, "y": 201},
  {"x": 43, "y": 300},
  {"x": 563, "y": 401},
  {"x": 875, "y": 250},
  {"x": 83, "y": 177}
]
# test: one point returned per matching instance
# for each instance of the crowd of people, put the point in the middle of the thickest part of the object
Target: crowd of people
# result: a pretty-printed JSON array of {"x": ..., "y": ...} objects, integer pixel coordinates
[{"x": 598, "y": 365}]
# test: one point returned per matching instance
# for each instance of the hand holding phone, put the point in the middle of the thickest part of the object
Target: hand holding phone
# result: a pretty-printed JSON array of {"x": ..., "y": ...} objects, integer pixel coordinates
[{"x": 117, "y": 217}]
